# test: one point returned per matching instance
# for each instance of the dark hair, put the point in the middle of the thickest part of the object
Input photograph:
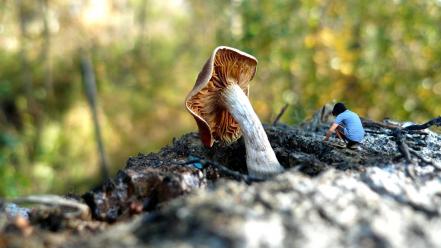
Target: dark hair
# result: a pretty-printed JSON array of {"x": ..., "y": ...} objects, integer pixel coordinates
[{"x": 338, "y": 109}]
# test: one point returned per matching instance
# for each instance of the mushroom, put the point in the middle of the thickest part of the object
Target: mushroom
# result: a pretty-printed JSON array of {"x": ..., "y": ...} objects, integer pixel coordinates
[{"x": 219, "y": 104}]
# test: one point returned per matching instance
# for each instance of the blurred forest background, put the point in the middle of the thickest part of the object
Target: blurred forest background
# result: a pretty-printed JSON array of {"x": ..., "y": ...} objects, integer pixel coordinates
[{"x": 382, "y": 58}]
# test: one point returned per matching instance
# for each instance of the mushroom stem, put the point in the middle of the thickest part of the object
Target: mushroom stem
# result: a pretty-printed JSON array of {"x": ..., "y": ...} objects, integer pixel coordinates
[{"x": 260, "y": 157}]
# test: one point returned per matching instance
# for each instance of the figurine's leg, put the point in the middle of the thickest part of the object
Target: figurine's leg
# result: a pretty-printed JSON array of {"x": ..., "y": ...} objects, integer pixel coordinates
[{"x": 340, "y": 133}]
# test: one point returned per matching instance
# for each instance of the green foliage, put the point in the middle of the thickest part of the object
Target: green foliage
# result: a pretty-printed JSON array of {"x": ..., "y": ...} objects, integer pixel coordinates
[{"x": 383, "y": 60}]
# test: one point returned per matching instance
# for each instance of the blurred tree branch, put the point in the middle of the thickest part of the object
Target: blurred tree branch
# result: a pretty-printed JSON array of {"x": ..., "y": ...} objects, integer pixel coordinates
[{"x": 90, "y": 90}]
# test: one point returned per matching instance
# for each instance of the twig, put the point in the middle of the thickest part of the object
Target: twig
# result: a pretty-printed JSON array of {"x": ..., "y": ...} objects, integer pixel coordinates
[
  {"x": 369, "y": 123},
  {"x": 425, "y": 160},
  {"x": 224, "y": 170},
  {"x": 282, "y": 111},
  {"x": 82, "y": 210},
  {"x": 401, "y": 144},
  {"x": 433, "y": 122}
]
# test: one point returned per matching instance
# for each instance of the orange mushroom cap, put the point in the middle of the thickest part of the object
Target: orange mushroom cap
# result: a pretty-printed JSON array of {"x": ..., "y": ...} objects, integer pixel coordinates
[{"x": 226, "y": 66}]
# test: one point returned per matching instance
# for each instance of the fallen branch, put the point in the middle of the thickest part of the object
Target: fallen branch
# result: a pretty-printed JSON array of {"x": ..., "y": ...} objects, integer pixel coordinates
[
  {"x": 82, "y": 210},
  {"x": 374, "y": 124},
  {"x": 399, "y": 136},
  {"x": 374, "y": 132},
  {"x": 433, "y": 122},
  {"x": 425, "y": 160}
]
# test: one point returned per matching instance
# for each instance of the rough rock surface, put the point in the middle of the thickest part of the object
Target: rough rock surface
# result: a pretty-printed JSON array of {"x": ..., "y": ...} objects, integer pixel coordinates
[{"x": 329, "y": 196}]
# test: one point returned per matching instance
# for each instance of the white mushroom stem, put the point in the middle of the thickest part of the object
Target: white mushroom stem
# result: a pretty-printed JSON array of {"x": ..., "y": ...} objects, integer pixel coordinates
[{"x": 261, "y": 160}]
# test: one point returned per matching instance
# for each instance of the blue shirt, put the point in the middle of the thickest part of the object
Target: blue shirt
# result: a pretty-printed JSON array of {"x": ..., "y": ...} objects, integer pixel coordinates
[{"x": 352, "y": 125}]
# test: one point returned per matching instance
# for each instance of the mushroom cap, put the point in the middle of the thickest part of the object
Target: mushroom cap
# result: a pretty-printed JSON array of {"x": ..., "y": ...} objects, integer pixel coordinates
[{"x": 226, "y": 66}]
